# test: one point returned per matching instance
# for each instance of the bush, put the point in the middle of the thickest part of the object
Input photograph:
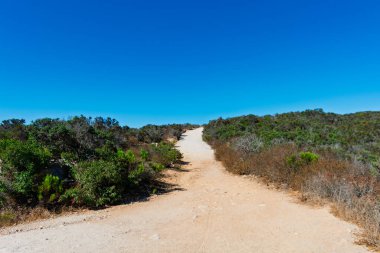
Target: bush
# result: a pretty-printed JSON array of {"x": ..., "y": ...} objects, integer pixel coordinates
[
  {"x": 2, "y": 195},
  {"x": 302, "y": 159},
  {"x": 247, "y": 144},
  {"x": 165, "y": 154},
  {"x": 23, "y": 156},
  {"x": 157, "y": 167},
  {"x": 22, "y": 164},
  {"x": 23, "y": 184},
  {"x": 53, "y": 134},
  {"x": 50, "y": 189},
  {"x": 13, "y": 129},
  {"x": 157, "y": 134},
  {"x": 99, "y": 183},
  {"x": 125, "y": 159},
  {"x": 71, "y": 197},
  {"x": 308, "y": 157},
  {"x": 144, "y": 154},
  {"x": 136, "y": 175},
  {"x": 151, "y": 133}
]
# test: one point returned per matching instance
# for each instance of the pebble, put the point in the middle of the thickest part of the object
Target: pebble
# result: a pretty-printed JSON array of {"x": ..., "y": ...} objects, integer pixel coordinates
[{"x": 155, "y": 237}]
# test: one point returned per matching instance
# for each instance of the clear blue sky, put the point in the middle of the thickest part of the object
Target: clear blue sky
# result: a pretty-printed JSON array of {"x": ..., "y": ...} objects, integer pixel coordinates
[{"x": 187, "y": 61}]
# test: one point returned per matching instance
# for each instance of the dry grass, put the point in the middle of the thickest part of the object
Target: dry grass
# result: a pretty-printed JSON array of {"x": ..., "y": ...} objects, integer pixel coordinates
[
  {"x": 14, "y": 216},
  {"x": 349, "y": 186}
]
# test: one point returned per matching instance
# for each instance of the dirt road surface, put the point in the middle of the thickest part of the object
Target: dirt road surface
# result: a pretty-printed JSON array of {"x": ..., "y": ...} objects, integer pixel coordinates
[{"x": 214, "y": 212}]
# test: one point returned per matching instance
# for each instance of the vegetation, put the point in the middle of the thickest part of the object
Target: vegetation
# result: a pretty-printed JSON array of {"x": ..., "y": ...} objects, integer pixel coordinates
[
  {"x": 322, "y": 155},
  {"x": 52, "y": 163}
]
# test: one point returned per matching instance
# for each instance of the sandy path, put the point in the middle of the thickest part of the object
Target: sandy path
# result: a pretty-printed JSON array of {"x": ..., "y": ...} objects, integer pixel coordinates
[{"x": 215, "y": 212}]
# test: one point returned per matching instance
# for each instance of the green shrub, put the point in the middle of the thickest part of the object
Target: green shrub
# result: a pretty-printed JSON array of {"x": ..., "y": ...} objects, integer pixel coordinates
[
  {"x": 106, "y": 152},
  {"x": 130, "y": 156},
  {"x": 23, "y": 184},
  {"x": 23, "y": 156},
  {"x": 102, "y": 182},
  {"x": 144, "y": 154},
  {"x": 157, "y": 167},
  {"x": 13, "y": 129},
  {"x": 292, "y": 161},
  {"x": 2, "y": 195},
  {"x": 69, "y": 159},
  {"x": 125, "y": 160},
  {"x": 136, "y": 175},
  {"x": 99, "y": 183},
  {"x": 50, "y": 189},
  {"x": 22, "y": 163},
  {"x": 71, "y": 197},
  {"x": 301, "y": 159},
  {"x": 151, "y": 133},
  {"x": 126, "y": 157},
  {"x": 53, "y": 134},
  {"x": 308, "y": 157},
  {"x": 165, "y": 154}
]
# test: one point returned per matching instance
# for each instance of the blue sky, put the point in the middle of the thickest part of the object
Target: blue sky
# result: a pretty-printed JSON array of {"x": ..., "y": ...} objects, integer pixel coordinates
[{"x": 187, "y": 61}]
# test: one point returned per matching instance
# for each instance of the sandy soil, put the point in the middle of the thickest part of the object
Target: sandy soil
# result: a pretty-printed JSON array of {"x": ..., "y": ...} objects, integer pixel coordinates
[{"x": 214, "y": 212}]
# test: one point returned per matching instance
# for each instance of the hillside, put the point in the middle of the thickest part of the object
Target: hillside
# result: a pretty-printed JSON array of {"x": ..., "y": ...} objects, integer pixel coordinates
[
  {"x": 325, "y": 156},
  {"x": 52, "y": 165}
]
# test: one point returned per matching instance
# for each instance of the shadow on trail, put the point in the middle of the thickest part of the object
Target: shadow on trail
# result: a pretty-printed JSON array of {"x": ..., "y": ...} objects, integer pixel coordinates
[
  {"x": 159, "y": 186},
  {"x": 179, "y": 167}
]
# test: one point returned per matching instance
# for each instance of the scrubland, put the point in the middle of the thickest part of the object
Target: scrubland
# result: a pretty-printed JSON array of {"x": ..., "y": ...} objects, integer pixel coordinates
[
  {"x": 52, "y": 165},
  {"x": 326, "y": 157}
]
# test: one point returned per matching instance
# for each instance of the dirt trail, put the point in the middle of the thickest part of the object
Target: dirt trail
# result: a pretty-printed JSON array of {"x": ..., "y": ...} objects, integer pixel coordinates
[{"x": 215, "y": 212}]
